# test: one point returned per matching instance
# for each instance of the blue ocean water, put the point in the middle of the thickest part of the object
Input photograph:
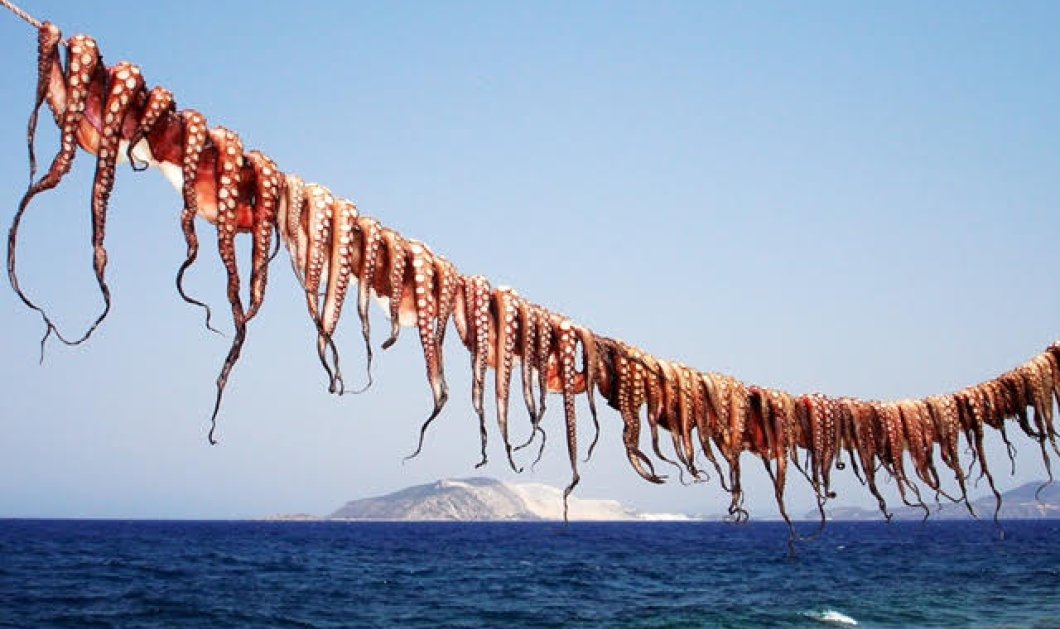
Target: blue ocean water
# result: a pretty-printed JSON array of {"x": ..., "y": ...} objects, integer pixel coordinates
[{"x": 329, "y": 574}]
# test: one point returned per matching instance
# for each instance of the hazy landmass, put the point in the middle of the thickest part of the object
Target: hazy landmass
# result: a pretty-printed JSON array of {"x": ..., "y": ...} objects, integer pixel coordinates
[
  {"x": 483, "y": 499},
  {"x": 1017, "y": 504}
]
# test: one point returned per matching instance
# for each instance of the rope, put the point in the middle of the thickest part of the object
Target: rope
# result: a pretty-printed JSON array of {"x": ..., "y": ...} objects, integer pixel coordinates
[{"x": 29, "y": 19}]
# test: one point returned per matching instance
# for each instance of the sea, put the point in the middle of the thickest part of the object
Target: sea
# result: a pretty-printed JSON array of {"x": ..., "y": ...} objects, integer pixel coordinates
[{"x": 94, "y": 573}]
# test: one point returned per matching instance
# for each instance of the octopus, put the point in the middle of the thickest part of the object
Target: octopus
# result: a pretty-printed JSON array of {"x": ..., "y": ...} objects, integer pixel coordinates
[{"x": 713, "y": 419}]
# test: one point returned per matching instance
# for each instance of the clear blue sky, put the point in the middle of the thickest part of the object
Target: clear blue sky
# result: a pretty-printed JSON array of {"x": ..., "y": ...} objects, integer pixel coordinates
[{"x": 854, "y": 199}]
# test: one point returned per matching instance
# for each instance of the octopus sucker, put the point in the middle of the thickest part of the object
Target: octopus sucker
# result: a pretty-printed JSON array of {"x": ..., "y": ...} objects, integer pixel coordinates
[{"x": 110, "y": 113}]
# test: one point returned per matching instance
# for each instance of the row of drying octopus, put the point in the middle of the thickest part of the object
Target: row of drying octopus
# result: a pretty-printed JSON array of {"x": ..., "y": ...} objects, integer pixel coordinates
[{"x": 712, "y": 419}]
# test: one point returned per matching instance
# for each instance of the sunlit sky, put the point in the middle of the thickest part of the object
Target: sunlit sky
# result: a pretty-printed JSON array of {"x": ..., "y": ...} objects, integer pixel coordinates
[{"x": 848, "y": 198}]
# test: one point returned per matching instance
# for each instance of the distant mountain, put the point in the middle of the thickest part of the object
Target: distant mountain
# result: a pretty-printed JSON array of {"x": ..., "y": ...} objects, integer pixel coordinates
[
  {"x": 1016, "y": 504},
  {"x": 486, "y": 499}
]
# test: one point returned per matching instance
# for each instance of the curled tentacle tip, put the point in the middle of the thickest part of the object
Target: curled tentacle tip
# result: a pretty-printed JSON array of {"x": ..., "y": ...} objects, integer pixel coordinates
[{"x": 363, "y": 389}]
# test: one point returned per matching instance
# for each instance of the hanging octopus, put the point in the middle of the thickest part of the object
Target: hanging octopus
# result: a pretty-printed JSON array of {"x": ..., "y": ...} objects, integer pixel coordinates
[{"x": 712, "y": 418}]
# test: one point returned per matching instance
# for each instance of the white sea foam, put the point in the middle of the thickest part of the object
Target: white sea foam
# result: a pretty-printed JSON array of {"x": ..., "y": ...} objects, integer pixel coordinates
[{"x": 833, "y": 617}]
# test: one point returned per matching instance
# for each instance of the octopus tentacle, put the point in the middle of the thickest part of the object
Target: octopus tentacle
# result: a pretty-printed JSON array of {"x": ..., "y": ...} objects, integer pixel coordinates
[
  {"x": 629, "y": 396},
  {"x": 397, "y": 262},
  {"x": 773, "y": 412},
  {"x": 267, "y": 193},
  {"x": 1048, "y": 374},
  {"x": 68, "y": 99},
  {"x": 321, "y": 209},
  {"x": 680, "y": 414},
  {"x": 447, "y": 282},
  {"x": 477, "y": 306},
  {"x": 527, "y": 316},
  {"x": 669, "y": 412},
  {"x": 545, "y": 342},
  {"x": 229, "y": 177},
  {"x": 371, "y": 246},
  {"x": 974, "y": 433},
  {"x": 706, "y": 422},
  {"x": 897, "y": 443},
  {"x": 942, "y": 411},
  {"x": 195, "y": 138},
  {"x": 589, "y": 366},
  {"x": 506, "y": 308},
  {"x": 909, "y": 413},
  {"x": 426, "y": 301},
  {"x": 865, "y": 420},
  {"x": 537, "y": 358},
  {"x": 159, "y": 106},
  {"x": 566, "y": 347},
  {"x": 341, "y": 265},
  {"x": 293, "y": 230},
  {"x": 739, "y": 409},
  {"x": 48, "y": 39},
  {"x": 649, "y": 379},
  {"x": 124, "y": 83}
]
